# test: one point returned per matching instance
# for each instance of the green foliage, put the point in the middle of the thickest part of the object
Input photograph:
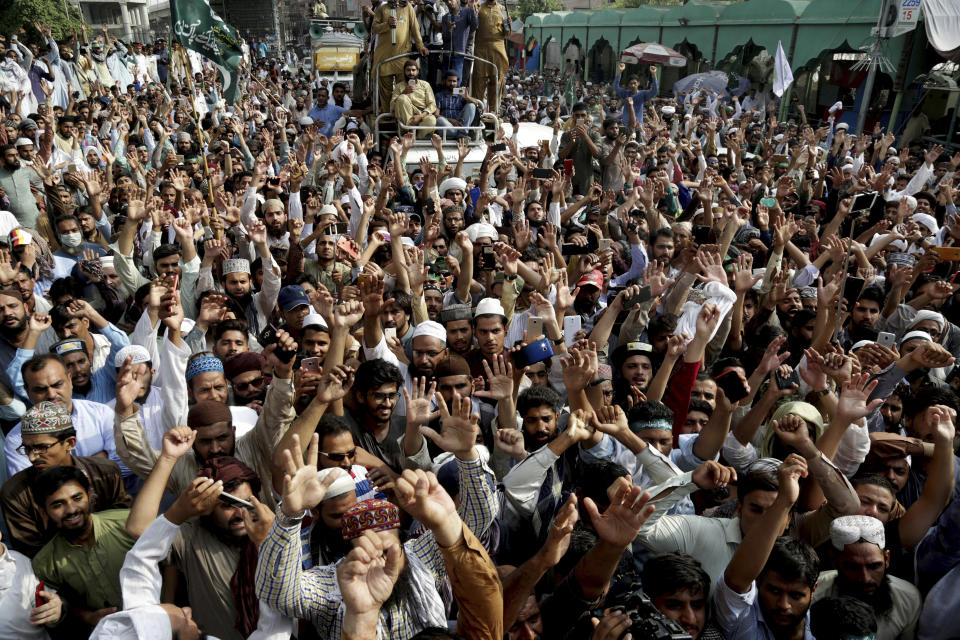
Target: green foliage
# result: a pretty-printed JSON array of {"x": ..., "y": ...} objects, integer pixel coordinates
[
  {"x": 633, "y": 4},
  {"x": 526, "y": 8},
  {"x": 23, "y": 13}
]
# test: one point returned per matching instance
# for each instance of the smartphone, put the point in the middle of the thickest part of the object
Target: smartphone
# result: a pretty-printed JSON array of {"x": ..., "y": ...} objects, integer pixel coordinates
[
  {"x": 568, "y": 167},
  {"x": 543, "y": 174},
  {"x": 534, "y": 327},
  {"x": 37, "y": 598},
  {"x": 390, "y": 333},
  {"x": 768, "y": 202},
  {"x": 643, "y": 296},
  {"x": 412, "y": 82},
  {"x": 732, "y": 385},
  {"x": 310, "y": 365},
  {"x": 268, "y": 337},
  {"x": 488, "y": 261},
  {"x": 234, "y": 501},
  {"x": 533, "y": 353},
  {"x": 885, "y": 339},
  {"x": 366, "y": 279},
  {"x": 787, "y": 382},
  {"x": 852, "y": 289},
  {"x": 346, "y": 245},
  {"x": 273, "y": 183},
  {"x": 571, "y": 326},
  {"x": 605, "y": 244},
  {"x": 948, "y": 253},
  {"x": 459, "y": 91},
  {"x": 701, "y": 234},
  {"x": 500, "y": 146}
]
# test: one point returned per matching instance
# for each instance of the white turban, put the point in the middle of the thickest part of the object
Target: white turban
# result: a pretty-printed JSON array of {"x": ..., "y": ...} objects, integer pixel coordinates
[
  {"x": 926, "y": 220},
  {"x": 926, "y": 314},
  {"x": 482, "y": 230},
  {"x": 852, "y": 529},
  {"x": 451, "y": 184}
]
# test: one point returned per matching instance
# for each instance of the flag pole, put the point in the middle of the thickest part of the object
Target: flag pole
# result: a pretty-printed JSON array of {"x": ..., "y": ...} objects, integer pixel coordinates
[{"x": 200, "y": 140}]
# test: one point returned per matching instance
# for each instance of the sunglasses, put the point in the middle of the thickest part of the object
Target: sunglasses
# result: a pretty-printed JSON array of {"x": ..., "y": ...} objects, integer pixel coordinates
[
  {"x": 340, "y": 457},
  {"x": 254, "y": 384}
]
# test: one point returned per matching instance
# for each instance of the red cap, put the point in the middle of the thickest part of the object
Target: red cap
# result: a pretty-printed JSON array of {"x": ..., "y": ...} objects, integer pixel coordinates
[{"x": 594, "y": 278}]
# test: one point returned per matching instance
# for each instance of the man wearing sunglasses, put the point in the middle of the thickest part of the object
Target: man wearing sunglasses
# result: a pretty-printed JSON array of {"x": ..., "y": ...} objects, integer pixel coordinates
[{"x": 249, "y": 384}]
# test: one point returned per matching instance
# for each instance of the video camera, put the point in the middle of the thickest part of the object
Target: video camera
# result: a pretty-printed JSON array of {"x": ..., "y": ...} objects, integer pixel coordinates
[{"x": 647, "y": 621}]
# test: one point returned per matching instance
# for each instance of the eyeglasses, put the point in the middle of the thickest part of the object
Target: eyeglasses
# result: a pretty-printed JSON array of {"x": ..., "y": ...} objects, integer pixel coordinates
[
  {"x": 340, "y": 457},
  {"x": 39, "y": 449},
  {"x": 381, "y": 397},
  {"x": 243, "y": 386}
]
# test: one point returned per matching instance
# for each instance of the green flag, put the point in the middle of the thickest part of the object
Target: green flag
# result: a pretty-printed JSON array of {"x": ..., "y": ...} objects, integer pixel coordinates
[{"x": 197, "y": 26}]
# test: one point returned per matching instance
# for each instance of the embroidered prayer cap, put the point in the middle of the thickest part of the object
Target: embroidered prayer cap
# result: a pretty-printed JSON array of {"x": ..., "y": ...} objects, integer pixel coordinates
[
  {"x": 137, "y": 354},
  {"x": 853, "y": 529},
  {"x": 203, "y": 364},
  {"x": 372, "y": 515},
  {"x": 45, "y": 418},
  {"x": 69, "y": 345},
  {"x": 242, "y": 363},
  {"x": 236, "y": 265},
  {"x": 456, "y": 312}
]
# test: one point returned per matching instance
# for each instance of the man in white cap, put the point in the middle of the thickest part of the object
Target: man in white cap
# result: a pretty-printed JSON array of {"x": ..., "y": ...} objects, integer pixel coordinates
[
  {"x": 155, "y": 402},
  {"x": 490, "y": 331},
  {"x": 237, "y": 283},
  {"x": 861, "y": 560},
  {"x": 453, "y": 189}
]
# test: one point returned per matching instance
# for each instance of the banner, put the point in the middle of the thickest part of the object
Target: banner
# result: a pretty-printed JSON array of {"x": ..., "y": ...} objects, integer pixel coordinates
[
  {"x": 197, "y": 26},
  {"x": 782, "y": 75}
]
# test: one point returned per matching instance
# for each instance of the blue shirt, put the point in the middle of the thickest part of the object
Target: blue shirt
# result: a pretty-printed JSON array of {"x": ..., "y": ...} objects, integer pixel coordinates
[
  {"x": 463, "y": 23},
  {"x": 739, "y": 617},
  {"x": 449, "y": 104},
  {"x": 327, "y": 115},
  {"x": 638, "y": 98}
]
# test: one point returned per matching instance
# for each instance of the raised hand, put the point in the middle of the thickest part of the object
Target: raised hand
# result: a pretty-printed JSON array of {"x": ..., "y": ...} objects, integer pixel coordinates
[
  {"x": 620, "y": 523},
  {"x": 129, "y": 380},
  {"x": 198, "y": 499},
  {"x": 792, "y": 431},
  {"x": 578, "y": 370},
  {"x": 854, "y": 401},
  {"x": 711, "y": 475},
  {"x": 558, "y": 538},
  {"x": 367, "y": 575},
  {"x": 178, "y": 441},
  {"x": 39, "y": 322},
  {"x": 789, "y": 473},
  {"x": 257, "y": 521},
  {"x": 418, "y": 404},
  {"x": 420, "y": 494},
  {"x": 510, "y": 441},
  {"x": 459, "y": 427},
  {"x": 499, "y": 379},
  {"x": 335, "y": 384},
  {"x": 302, "y": 489}
]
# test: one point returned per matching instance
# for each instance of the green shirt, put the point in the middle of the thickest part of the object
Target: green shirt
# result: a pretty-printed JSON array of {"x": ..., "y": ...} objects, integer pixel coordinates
[
  {"x": 22, "y": 203},
  {"x": 88, "y": 576}
]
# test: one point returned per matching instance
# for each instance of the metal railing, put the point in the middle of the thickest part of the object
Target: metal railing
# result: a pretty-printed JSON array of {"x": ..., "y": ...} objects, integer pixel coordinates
[{"x": 442, "y": 130}]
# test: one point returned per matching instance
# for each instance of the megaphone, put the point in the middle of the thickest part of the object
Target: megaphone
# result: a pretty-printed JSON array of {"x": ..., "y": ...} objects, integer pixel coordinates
[{"x": 359, "y": 30}]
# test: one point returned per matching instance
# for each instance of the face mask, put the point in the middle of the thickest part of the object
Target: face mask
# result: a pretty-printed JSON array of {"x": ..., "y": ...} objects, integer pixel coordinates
[{"x": 71, "y": 240}]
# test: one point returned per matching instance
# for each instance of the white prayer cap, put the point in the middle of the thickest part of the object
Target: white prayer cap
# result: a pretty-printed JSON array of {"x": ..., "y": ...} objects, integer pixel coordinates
[
  {"x": 407, "y": 241},
  {"x": 910, "y": 335},
  {"x": 140, "y": 354},
  {"x": 853, "y": 529},
  {"x": 860, "y": 345},
  {"x": 489, "y": 306},
  {"x": 926, "y": 314},
  {"x": 23, "y": 142},
  {"x": 313, "y": 319},
  {"x": 343, "y": 484},
  {"x": 237, "y": 265},
  {"x": 106, "y": 262},
  {"x": 482, "y": 230},
  {"x": 149, "y": 622},
  {"x": 306, "y": 121},
  {"x": 926, "y": 220},
  {"x": 451, "y": 184},
  {"x": 430, "y": 329},
  {"x": 668, "y": 110},
  {"x": 843, "y": 125},
  {"x": 328, "y": 210},
  {"x": 847, "y": 167}
]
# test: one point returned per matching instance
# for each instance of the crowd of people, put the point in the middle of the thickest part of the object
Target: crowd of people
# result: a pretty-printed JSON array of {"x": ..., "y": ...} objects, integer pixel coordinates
[{"x": 681, "y": 367}]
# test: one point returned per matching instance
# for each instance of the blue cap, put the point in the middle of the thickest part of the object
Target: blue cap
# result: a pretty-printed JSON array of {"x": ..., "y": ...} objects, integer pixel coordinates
[{"x": 291, "y": 297}]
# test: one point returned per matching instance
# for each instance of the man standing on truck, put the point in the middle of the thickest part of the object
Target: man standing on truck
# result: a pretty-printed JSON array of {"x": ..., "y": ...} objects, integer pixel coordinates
[
  {"x": 493, "y": 27},
  {"x": 395, "y": 24}
]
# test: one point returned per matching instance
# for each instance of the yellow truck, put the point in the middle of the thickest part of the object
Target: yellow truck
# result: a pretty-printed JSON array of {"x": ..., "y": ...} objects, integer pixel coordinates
[{"x": 335, "y": 53}]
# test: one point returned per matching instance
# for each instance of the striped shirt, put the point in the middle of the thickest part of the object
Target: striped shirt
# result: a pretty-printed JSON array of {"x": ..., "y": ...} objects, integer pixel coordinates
[{"x": 314, "y": 594}]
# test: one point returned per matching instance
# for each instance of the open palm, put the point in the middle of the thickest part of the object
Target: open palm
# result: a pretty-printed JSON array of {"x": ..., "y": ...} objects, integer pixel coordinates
[
  {"x": 302, "y": 489},
  {"x": 619, "y": 524}
]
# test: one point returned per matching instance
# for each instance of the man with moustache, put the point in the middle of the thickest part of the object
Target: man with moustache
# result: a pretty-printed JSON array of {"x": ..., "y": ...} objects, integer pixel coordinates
[
  {"x": 457, "y": 320},
  {"x": 237, "y": 283},
  {"x": 861, "y": 572},
  {"x": 244, "y": 371},
  {"x": 13, "y": 329},
  {"x": 15, "y": 178}
]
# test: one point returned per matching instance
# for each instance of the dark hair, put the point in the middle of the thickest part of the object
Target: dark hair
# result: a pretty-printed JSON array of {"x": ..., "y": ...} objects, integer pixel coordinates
[
  {"x": 373, "y": 374},
  {"x": 534, "y": 397},
  {"x": 874, "y": 293},
  {"x": 664, "y": 232},
  {"x": 64, "y": 218},
  {"x": 580, "y": 106},
  {"x": 839, "y": 617},
  {"x": 596, "y": 478},
  {"x": 724, "y": 363},
  {"x": 762, "y": 337},
  {"x": 436, "y": 633},
  {"x": 664, "y": 322},
  {"x": 874, "y": 479},
  {"x": 60, "y": 315},
  {"x": 165, "y": 251},
  {"x": 402, "y": 300},
  {"x": 232, "y": 324},
  {"x": 793, "y": 559},
  {"x": 50, "y": 480},
  {"x": 671, "y": 572},
  {"x": 38, "y": 362},
  {"x": 610, "y": 121},
  {"x": 696, "y": 404},
  {"x": 757, "y": 480},
  {"x": 926, "y": 397},
  {"x": 68, "y": 287},
  {"x": 305, "y": 277},
  {"x": 647, "y": 411},
  {"x": 332, "y": 425}
]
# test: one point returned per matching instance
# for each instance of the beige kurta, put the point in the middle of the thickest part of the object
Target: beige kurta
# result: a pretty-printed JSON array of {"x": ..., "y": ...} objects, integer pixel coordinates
[
  {"x": 420, "y": 100},
  {"x": 490, "y": 46},
  {"x": 408, "y": 32}
]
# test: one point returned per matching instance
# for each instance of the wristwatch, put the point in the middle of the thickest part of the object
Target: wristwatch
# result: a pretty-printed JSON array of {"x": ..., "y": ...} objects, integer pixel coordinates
[
  {"x": 558, "y": 340},
  {"x": 510, "y": 278}
]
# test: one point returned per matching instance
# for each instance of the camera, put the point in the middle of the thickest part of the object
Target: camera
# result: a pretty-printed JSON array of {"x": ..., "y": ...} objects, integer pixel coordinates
[{"x": 647, "y": 623}]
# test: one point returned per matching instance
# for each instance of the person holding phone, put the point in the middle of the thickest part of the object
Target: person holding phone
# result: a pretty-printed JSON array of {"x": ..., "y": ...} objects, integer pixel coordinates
[
  {"x": 457, "y": 107},
  {"x": 29, "y": 606},
  {"x": 413, "y": 102}
]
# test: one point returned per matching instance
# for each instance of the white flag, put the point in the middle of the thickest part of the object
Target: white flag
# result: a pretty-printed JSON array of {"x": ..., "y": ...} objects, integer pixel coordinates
[{"x": 782, "y": 75}]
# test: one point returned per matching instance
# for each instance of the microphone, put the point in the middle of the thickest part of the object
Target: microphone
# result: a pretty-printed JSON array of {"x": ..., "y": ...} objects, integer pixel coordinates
[{"x": 393, "y": 28}]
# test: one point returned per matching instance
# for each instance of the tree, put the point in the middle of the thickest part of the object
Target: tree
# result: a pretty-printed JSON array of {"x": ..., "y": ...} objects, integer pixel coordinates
[
  {"x": 526, "y": 8},
  {"x": 23, "y": 13}
]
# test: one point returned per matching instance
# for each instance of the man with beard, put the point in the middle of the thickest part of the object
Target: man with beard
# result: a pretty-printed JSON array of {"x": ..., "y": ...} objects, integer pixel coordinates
[
  {"x": 414, "y": 603},
  {"x": 864, "y": 317},
  {"x": 49, "y": 439},
  {"x": 861, "y": 562},
  {"x": 82, "y": 561},
  {"x": 244, "y": 372},
  {"x": 274, "y": 216},
  {"x": 237, "y": 283},
  {"x": 97, "y": 386},
  {"x": 680, "y": 589},
  {"x": 413, "y": 102},
  {"x": 230, "y": 338},
  {"x": 212, "y": 550},
  {"x": 457, "y": 321},
  {"x": 74, "y": 320},
  {"x": 587, "y": 301},
  {"x": 766, "y": 590},
  {"x": 212, "y": 418},
  {"x": 45, "y": 379},
  {"x": 15, "y": 179},
  {"x": 634, "y": 364},
  {"x": 433, "y": 299}
]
